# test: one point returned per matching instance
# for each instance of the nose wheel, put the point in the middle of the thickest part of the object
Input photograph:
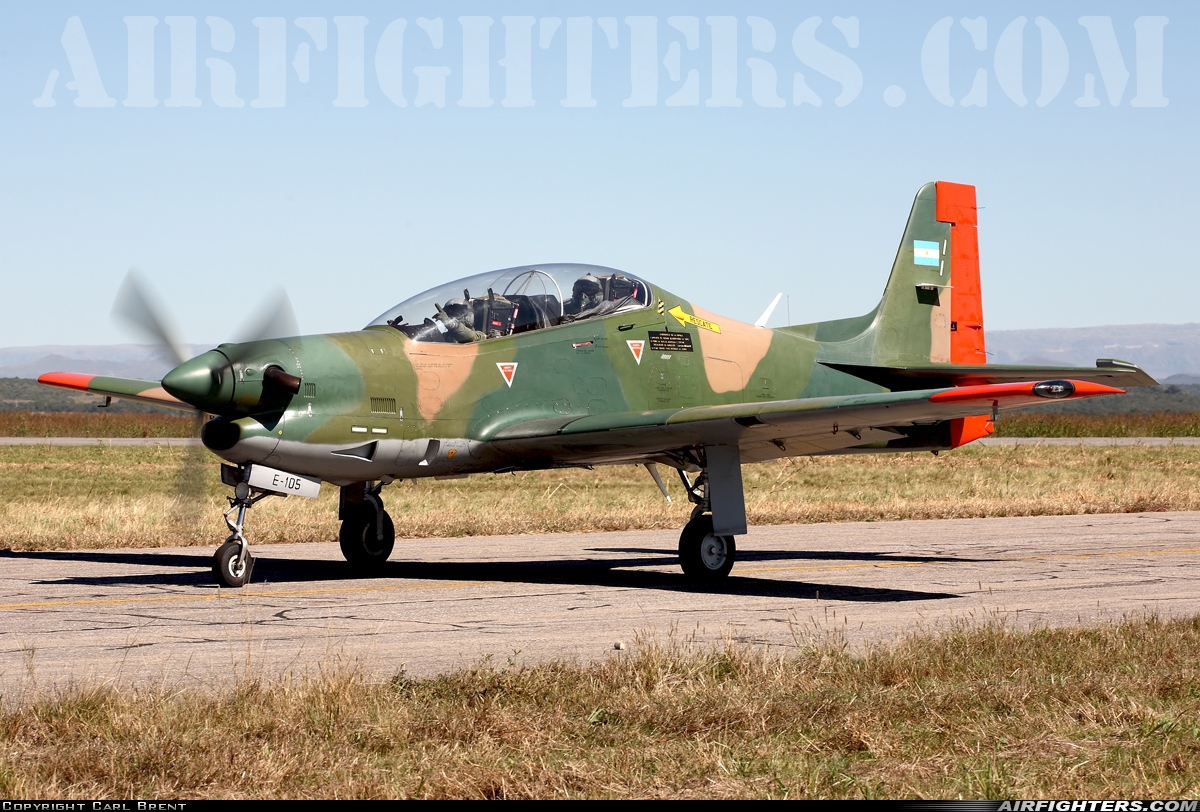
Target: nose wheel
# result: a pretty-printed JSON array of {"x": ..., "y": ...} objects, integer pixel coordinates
[{"x": 229, "y": 567}]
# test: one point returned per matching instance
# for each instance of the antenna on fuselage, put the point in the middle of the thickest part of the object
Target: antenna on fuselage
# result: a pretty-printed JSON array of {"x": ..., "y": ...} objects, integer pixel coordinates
[{"x": 762, "y": 320}]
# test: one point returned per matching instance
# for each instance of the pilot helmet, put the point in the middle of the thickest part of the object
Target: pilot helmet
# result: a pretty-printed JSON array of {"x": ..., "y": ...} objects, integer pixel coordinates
[
  {"x": 586, "y": 284},
  {"x": 456, "y": 307}
]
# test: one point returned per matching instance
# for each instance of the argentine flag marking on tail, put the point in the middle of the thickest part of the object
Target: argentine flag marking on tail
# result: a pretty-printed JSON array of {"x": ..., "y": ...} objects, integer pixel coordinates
[{"x": 925, "y": 253}]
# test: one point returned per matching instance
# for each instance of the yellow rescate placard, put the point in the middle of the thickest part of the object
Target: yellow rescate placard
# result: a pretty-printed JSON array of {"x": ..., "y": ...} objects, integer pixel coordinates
[{"x": 686, "y": 318}]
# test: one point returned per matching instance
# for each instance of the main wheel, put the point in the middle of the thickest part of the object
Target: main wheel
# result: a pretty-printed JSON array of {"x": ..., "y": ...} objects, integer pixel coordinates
[
  {"x": 360, "y": 542},
  {"x": 225, "y": 565},
  {"x": 704, "y": 555}
]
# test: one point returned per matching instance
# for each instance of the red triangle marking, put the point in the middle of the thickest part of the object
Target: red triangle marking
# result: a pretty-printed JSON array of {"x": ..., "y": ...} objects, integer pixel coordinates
[
  {"x": 636, "y": 348},
  {"x": 508, "y": 370}
]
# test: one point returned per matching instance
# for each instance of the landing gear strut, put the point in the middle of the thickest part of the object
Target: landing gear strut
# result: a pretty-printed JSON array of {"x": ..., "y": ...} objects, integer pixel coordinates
[
  {"x": 232, "y": 563},
  {"x": 367, "y": 535},
  {"x": 703, "y": 555}
]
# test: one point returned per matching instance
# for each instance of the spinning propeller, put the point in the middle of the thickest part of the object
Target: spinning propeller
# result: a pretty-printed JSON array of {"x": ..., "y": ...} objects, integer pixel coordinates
[
  {"x": 206, "y": 381},
  {"x": 137, "y": 306}
]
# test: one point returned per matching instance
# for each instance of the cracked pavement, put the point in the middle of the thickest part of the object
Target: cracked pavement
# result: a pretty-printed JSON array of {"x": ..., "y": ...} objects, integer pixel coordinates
[{"x": 129, "y": 616}]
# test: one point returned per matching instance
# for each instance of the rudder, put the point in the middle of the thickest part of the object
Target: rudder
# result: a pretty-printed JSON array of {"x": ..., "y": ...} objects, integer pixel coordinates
[{"x": 956, "y": 206}]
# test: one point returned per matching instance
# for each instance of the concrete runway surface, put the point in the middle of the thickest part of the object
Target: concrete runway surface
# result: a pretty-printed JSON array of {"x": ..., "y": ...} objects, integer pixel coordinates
[{"x": 134, "y": 615}]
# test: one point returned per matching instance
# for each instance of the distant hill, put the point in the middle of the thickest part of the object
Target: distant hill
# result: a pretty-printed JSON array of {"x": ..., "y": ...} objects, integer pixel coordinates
[
  {"x": 120, "y": 360},
  {"x": 1139, "y": 400},
  {"x": 26, "y": 395},
  {"x": 19, "y": 366},
  {"x": 1163, "y": 350}
]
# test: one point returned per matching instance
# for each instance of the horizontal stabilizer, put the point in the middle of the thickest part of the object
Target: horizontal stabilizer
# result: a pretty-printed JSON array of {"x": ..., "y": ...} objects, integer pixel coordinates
[
  {"x": 124, "y": 388},
  {"x": 903, "y": 379}
]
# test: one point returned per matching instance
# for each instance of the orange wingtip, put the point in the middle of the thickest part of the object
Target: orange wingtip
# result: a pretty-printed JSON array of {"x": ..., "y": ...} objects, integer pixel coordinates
[
  {"x": 998, "y": 391},
  {"x": 67, "y": 380}
]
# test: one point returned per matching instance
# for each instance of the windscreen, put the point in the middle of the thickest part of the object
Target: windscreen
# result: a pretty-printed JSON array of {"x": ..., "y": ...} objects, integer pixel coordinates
[{"x": 515, "y": 300}]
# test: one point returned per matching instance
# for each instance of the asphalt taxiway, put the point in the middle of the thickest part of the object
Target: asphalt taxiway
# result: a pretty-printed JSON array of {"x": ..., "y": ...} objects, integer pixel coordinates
[{"x": 148, "y": 614}]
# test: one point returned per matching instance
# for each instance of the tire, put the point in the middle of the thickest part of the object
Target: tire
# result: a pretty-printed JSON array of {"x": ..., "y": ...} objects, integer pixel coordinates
[
  {"x": 705, "y": 557},
  {"x": 225, "y": 569},
  {"x": 359, "y": 541}
]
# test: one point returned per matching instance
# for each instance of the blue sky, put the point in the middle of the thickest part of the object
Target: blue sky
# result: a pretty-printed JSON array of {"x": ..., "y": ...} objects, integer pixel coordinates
[{"x": 1088, "y": 211}]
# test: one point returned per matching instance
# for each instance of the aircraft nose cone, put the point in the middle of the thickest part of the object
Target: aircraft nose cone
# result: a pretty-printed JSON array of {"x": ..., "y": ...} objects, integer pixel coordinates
[{"x": 205, "y": 382}]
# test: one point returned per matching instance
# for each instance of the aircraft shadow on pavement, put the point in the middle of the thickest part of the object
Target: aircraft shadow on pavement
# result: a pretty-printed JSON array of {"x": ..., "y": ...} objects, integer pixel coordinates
[
  {"x": 666, "y": 556},
  {"x": 611, "y": 572}
]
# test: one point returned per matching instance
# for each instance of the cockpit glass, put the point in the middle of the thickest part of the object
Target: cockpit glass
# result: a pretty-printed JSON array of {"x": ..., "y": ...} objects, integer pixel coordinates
[{"x": 515, "y": 300}]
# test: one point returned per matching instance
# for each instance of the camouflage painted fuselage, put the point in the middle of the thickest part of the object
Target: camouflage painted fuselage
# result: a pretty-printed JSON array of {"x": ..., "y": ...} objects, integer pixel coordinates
[{"x": 372, "y": 401}]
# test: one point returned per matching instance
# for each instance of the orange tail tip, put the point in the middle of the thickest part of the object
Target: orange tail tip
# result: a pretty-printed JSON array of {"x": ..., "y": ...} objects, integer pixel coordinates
[{"x": 67, "y": 380}]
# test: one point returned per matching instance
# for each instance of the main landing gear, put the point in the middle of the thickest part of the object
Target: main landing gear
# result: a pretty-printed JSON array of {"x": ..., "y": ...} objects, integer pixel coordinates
[
  {"x": 704, "y": 555},
  {"x": 367, "y": 535}
]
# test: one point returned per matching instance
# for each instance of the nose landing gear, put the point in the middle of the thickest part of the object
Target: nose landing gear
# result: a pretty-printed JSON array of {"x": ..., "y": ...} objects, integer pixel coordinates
[{"x": 232, "y": 563}]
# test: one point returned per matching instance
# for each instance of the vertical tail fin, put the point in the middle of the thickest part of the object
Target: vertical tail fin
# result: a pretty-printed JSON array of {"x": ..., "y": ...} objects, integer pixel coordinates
[
  {"x": 931, "y": 310},
  {"x": 942, "y": 235}
]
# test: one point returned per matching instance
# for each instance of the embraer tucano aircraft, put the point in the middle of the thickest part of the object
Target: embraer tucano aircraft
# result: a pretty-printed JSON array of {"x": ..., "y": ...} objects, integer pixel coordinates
[{"x": 554, "y": 366}]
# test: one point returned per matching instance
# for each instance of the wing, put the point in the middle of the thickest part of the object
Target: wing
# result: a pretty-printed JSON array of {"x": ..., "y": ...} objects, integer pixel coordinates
[
  {"x": 124, "y": 388},
  {"x": 886, "y": 420},
  {"x": 1107, "y": 371}
]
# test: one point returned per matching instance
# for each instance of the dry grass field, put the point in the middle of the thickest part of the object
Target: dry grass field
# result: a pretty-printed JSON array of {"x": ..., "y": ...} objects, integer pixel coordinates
[
  {"x": 97, "y": 496},
  {"x": 96, "y": 423},
  {"x": 978, "y": 712},
  {"x": 1133, "y": 424}
]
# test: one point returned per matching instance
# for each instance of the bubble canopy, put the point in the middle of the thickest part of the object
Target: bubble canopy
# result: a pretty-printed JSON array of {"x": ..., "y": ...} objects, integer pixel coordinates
[{"x": 515, "y": 300}]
